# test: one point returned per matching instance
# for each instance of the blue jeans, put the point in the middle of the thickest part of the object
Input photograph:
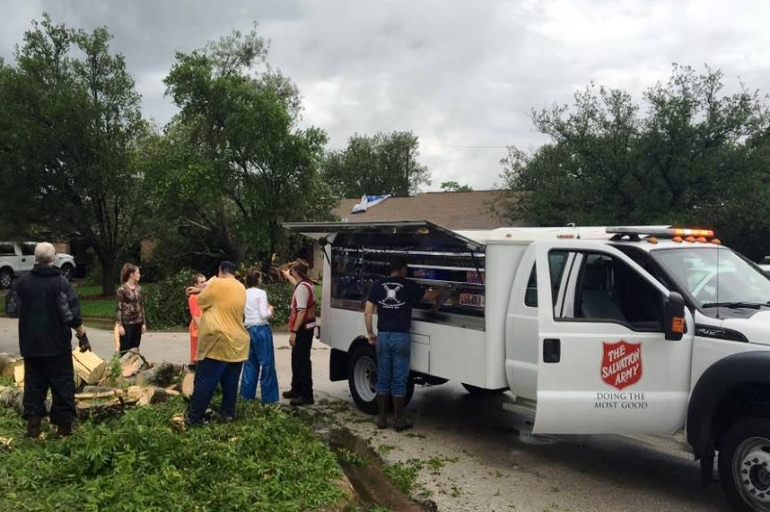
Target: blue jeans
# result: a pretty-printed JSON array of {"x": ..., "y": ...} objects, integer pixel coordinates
[
  {"x": 260, "y": 366},
  {"x": 208, "y": 374},
  {"x": 393, "y": 351}
]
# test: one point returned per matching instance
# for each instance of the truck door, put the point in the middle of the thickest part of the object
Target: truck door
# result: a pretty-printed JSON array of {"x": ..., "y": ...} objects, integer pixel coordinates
[
  {"x": 604, "y": 363},
  {"x": 26, "y": 253}
]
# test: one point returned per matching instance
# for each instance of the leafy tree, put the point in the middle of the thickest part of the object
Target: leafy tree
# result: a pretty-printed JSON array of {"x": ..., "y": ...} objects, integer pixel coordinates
[
  {"x": 690, "y": 155},
  {"x": 453, "y": 186},
  {"x": 69, "y": 125},
  {"x": 237, "y": 161},
  {"x": 380, "y": 164}
]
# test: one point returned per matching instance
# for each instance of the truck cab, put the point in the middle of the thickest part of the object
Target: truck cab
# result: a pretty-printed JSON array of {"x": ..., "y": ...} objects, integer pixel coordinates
[{"x": 620, "y": 330}]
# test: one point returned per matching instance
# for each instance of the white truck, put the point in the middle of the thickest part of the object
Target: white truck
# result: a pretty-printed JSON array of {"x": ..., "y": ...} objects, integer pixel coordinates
[
  {"x": 18, "y": 258},
  {"x": 629, "y": 330}
]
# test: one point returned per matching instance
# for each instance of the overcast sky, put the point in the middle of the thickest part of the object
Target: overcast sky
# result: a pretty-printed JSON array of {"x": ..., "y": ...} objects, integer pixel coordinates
[{"x": 462, "y": 75}]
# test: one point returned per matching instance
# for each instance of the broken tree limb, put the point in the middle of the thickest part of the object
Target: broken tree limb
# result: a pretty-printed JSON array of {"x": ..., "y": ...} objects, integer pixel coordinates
[
  {"x": 12, "y": 397},
  {"x": 88, "y": 366},
  {"x": 97, "y": 389},
  {"x": 96, "y": 396},
  {"x": 6, "y": 364},
  {"x": 160, "y": 375},
  {"x": 116, "y": 337},
  {"x": 161, "y": 395},
  {"x": 188, "y": 382},
  {"x": 132, "y": 362},
  {"x": 155, "y": 395},
  {"x": 18, "y": 372},
  {"x": 102, "y": 410}
]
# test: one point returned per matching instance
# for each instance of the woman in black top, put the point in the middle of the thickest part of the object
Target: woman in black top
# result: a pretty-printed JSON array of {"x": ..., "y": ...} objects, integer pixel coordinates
[{"x": 131, "y": 316}]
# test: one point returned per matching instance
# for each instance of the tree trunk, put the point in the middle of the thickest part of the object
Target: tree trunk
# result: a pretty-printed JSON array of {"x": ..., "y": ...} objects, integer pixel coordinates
[
  {"x": 267, "y": 264},
  {"x": 108, "y": 275}
]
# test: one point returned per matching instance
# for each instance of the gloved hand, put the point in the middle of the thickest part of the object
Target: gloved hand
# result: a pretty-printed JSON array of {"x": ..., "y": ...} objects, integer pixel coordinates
[{"x": 83, "y": 343}]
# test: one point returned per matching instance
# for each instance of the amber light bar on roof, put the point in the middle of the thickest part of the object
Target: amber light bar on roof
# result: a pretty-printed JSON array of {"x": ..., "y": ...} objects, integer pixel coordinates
[{"x": 663, "y": 233}]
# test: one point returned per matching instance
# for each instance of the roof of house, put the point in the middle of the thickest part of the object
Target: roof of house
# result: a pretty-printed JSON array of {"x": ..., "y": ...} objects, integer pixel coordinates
[{"x": 453, "y": 210}]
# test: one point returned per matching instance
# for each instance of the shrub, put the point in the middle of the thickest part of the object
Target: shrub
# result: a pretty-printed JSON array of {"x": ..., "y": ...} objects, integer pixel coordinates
[
  {"x": 94, "y": 276},
  {"x": 265, "y": 460},
  {"x": 279, "y": 295},
  {"x": 166, "y": 303}
]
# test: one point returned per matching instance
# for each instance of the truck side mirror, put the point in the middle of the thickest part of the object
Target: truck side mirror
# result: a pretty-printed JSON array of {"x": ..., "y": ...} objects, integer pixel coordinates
[{"x": 673, "y": 317}]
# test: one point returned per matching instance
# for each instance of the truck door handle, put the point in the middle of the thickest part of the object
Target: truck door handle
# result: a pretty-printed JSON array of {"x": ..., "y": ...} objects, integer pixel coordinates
[{"x": 551, "y": 350}]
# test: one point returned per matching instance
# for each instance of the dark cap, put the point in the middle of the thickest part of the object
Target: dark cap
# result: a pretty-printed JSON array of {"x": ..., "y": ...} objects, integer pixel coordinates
[{"x": 227, "y": 267}]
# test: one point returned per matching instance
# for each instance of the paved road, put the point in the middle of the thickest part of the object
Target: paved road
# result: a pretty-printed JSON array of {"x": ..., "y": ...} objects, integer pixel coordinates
[{"x": 472, "y": 455}]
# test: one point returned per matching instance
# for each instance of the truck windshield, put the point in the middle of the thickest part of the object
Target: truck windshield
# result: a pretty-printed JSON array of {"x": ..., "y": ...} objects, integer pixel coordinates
[{"x": 716, "y": 279}]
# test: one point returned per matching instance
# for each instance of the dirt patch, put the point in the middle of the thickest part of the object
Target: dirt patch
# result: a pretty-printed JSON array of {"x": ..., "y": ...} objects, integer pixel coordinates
[{"x": 364, "y": 469}]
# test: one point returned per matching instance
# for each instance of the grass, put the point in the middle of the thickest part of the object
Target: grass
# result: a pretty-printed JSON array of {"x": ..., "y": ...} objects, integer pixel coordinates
[
  {"x": 404, "y": 474},
  {"x": 98, "y": 308},
  {"x": 266, "y": 460},
  {"x": 90, "y": 291},
  {"x": 94, "y": 305}
]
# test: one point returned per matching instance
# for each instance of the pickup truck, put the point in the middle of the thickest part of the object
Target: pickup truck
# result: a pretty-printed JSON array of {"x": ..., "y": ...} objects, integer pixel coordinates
[
  {"x": 19, "y": 258},
  {"x": 649, "y": 332}
]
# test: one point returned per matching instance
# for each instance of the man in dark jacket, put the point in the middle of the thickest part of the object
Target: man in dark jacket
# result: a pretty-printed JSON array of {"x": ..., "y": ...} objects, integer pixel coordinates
[{"x": 47, "y": 308}]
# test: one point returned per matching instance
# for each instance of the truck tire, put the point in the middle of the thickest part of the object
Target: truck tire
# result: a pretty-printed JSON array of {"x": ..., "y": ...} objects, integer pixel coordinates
[
  {"x": 362, "y": 379},
  {"x": 6, "y": 278},
  {"x": 477, "y": 391},
  {"x": 744, "y": 465},
  {"x": 68, "y": 271},
  {"x": 409, "y": 390}
]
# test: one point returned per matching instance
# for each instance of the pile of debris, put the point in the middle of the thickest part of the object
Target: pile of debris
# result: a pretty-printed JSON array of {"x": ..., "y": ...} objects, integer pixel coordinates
[{"x": 106, "y": 389}]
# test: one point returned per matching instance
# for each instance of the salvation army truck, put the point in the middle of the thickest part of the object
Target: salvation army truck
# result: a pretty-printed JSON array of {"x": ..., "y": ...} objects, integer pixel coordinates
[{"x": 644, "y": 330}]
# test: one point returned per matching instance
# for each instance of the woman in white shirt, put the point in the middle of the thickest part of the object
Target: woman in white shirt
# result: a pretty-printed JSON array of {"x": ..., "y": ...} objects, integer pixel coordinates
[{"x": 260, "y": 366}]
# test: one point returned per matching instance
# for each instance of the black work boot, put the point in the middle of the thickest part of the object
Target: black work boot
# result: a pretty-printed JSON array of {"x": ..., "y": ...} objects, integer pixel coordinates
[
  {"x": 400, "y": 421},
  {"x": 64, "y": 430},
  {"x": 382, "y": 408},
  {"x": 33, "y": 426}
]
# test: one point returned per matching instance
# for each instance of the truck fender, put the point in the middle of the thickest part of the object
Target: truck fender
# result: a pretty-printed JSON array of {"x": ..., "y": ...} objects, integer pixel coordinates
[
  {"x": 338, "y": 360},
  {"x": 736, "y": 383}
]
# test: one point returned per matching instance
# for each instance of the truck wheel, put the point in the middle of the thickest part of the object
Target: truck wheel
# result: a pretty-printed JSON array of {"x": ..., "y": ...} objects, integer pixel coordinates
[
  {"x": 67, "y": 271},
  {"x": 409, "y": 390},
  {"x": 362, "y": 378},
  {"x": 477, "y": 391},
  {"x": 744, "y": 465},
  {"x": 6, "y": 278}
]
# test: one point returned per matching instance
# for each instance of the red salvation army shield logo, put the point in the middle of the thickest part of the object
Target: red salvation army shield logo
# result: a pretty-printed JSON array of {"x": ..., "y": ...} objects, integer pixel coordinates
[{"x": 621, "y": 363}]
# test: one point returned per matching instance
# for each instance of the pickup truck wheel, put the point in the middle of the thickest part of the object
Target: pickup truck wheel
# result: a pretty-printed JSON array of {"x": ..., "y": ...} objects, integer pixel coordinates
[
  {"x": 67, "y": 271},
  {"x": 409, "y": 390},
  {"x": 477, "y": 391},
  {"x": 362, "y": 378},
  {"x": 6, "y": 278},
  {"x": 744, "y": 465}
]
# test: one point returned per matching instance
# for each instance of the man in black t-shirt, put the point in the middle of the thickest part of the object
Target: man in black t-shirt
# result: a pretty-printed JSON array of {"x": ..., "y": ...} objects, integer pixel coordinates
[{"x": 393, "y": 297}]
